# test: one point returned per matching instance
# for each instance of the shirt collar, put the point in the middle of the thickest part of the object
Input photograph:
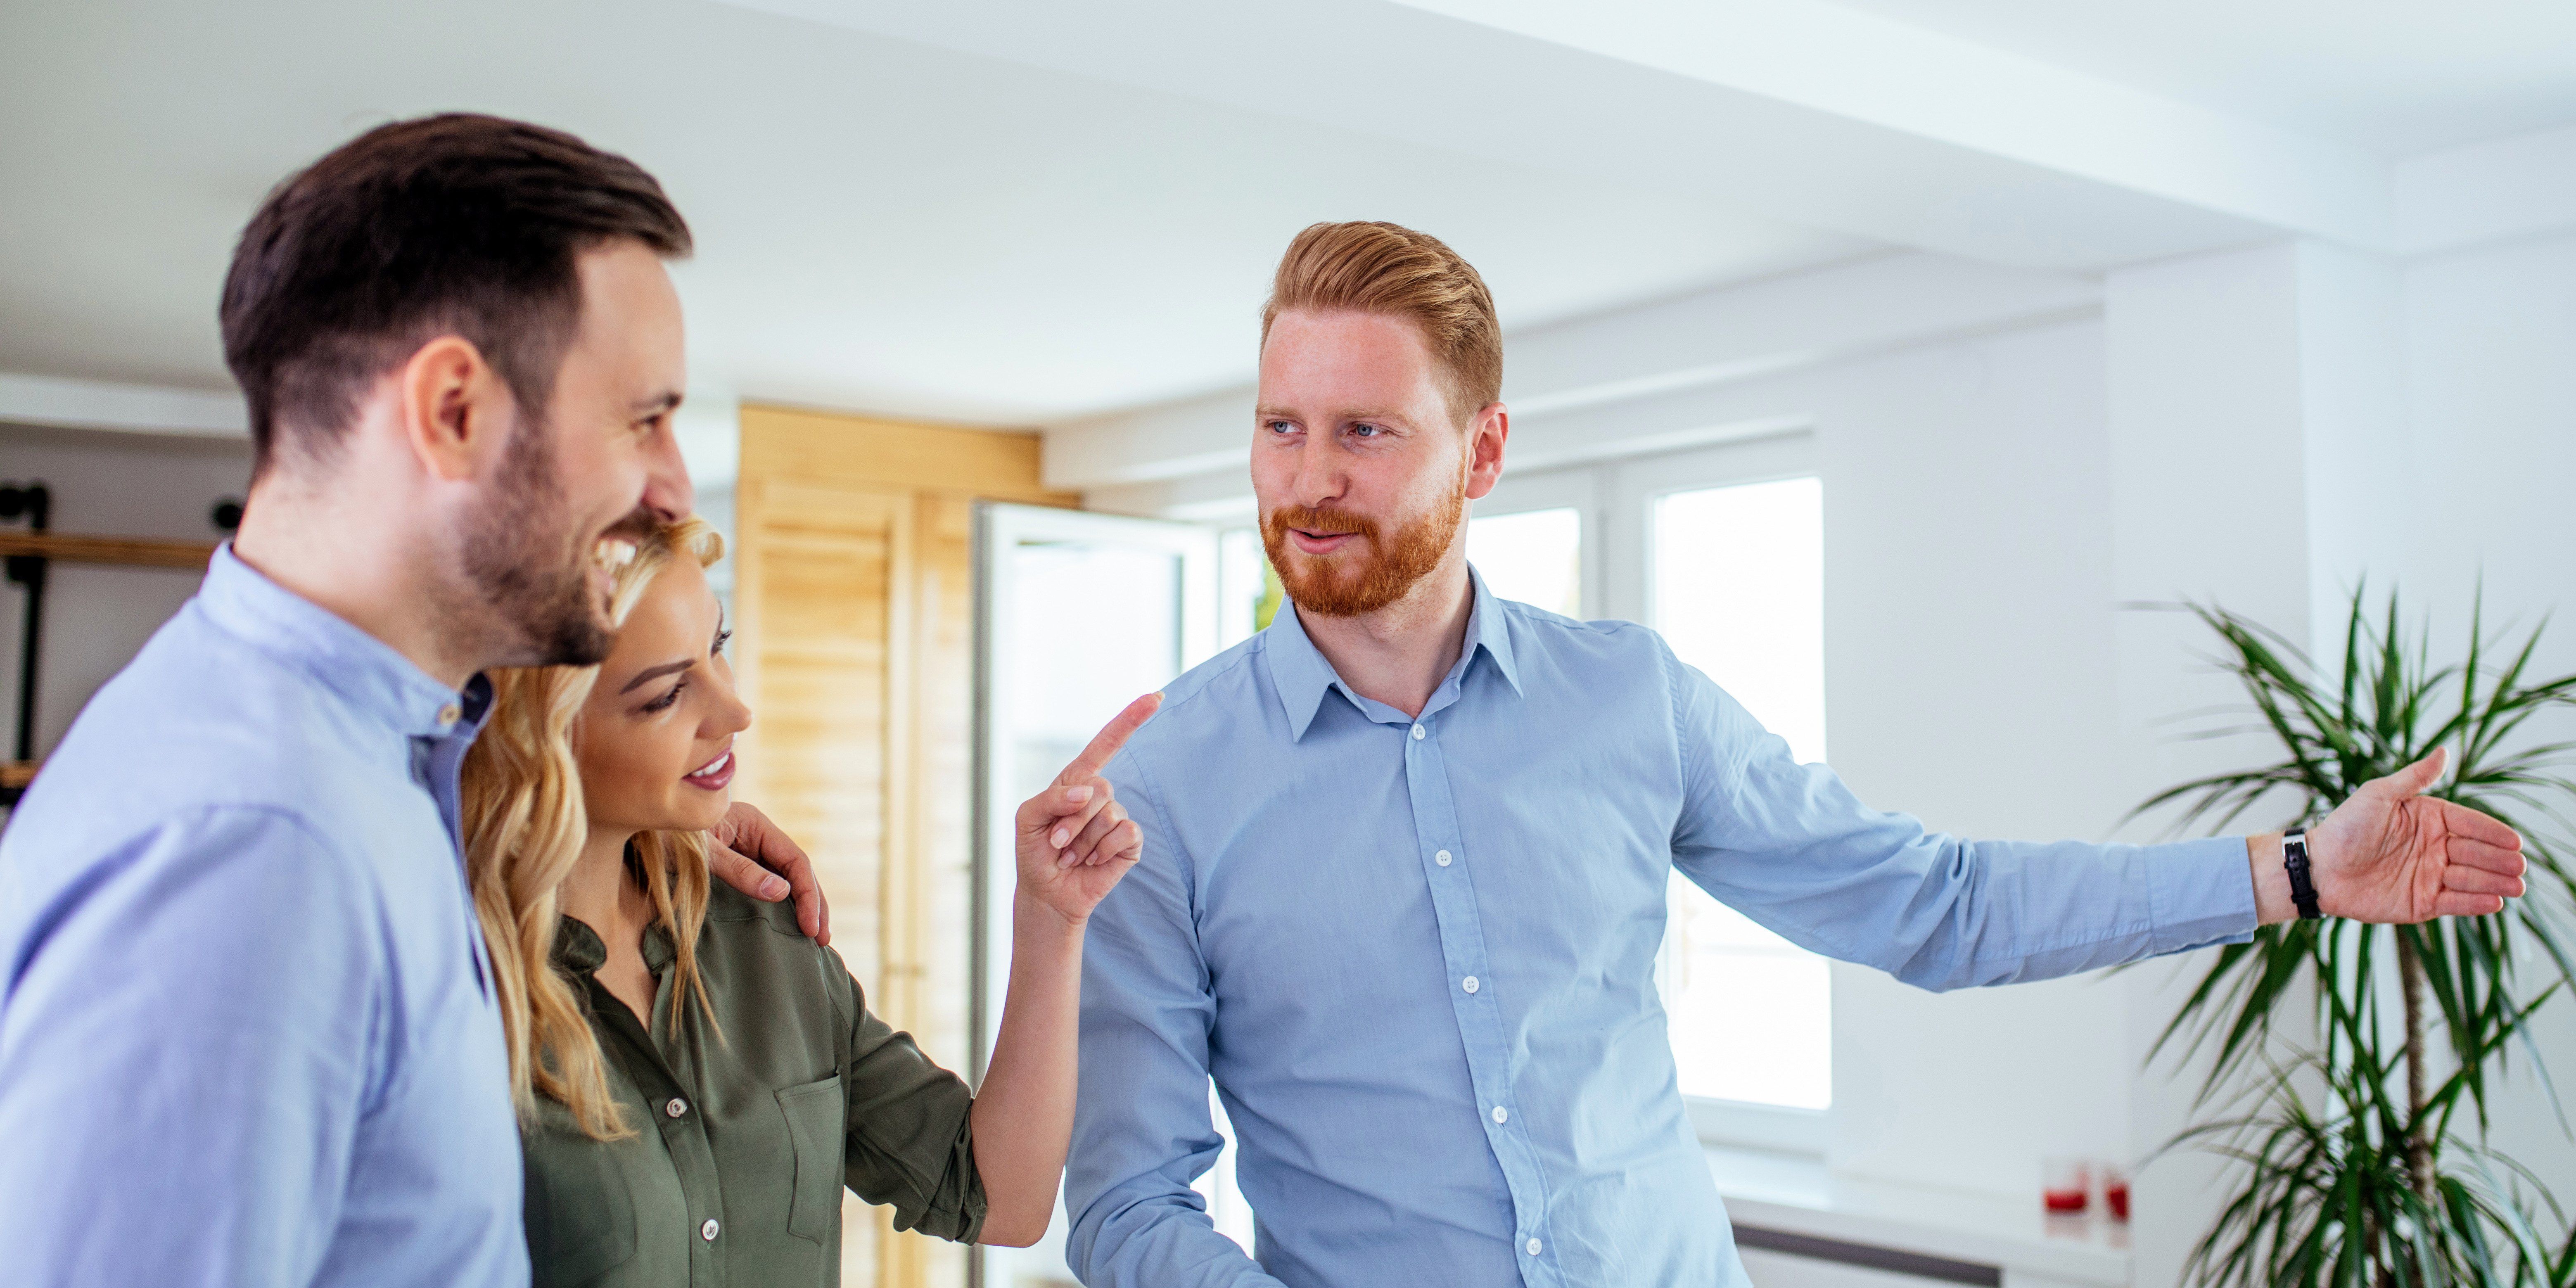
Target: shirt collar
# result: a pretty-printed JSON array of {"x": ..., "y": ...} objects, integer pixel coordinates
[
  {"x": 578, "y": 948},
  {"x": 581, "y": 949},
  {"x": 364, "y": 671},
  {"x": 659, "y": 951},
  {"x": 1301, "y": 676}
]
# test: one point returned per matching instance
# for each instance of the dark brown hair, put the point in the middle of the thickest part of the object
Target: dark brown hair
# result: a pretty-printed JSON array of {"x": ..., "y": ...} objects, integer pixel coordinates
[
  {"x": 1391, "y": 269},
  {"x": 456, "y": 224}
]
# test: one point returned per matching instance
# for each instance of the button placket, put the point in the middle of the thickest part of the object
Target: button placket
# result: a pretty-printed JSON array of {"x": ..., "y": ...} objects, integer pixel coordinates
[
  {"x": 684, "y": 1134},
  {"x": 1462, "y": 944},
  {"x": 438, "y": 766}
]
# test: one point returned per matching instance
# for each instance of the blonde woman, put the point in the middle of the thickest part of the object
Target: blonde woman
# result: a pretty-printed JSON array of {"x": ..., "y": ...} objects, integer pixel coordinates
[{"x": 696, "y": 1080}]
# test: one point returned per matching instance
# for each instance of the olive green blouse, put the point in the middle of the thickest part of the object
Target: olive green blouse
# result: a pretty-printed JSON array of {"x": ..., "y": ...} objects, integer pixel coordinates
[{"x": 745, "y": 1139}]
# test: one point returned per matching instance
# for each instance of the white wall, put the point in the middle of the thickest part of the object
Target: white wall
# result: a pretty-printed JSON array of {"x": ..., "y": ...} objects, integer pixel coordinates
[
  {"x": 2491, "y": 389},
  {"x": 1968, "y": 625},
  {"x": 2490, "y": 345}
]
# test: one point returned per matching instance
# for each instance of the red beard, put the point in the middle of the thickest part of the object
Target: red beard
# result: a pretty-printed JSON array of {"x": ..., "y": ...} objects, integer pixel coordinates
[{"x": 1366, "y": 579}]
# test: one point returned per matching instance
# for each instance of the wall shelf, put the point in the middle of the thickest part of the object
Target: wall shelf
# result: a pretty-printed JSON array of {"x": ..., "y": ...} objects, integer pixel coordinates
[{"x": 141, "y": 552}]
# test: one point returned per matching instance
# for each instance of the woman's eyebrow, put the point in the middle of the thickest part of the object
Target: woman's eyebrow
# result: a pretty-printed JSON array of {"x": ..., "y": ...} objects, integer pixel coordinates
[{"x": 652, "y": 673}]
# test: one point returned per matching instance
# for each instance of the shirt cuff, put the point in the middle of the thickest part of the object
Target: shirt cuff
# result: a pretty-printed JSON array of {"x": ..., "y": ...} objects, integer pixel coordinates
[{"x": 2200, "y": 893}]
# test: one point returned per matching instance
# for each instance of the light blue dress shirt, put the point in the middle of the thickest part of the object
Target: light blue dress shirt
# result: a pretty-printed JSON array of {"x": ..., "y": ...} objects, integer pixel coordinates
[
  {"x": 247, "y": 1034},
  {"x": 1417, "y": 956}
]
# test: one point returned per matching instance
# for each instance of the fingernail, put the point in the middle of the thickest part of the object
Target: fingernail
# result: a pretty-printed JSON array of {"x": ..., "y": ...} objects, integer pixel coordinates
[
  {"x": 1061, "y": 838},
  {"x": 773, "y": 888},
  {"x": 1077, "y": 795}
]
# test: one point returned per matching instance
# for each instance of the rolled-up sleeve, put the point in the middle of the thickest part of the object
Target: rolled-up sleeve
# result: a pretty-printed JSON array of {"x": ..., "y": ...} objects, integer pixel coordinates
[
  {"x": 1141, "y": 1128},
  {"x": 191, "y": 1123},
  {"x": 1789, "y": 846},
  {"x": 911, "y": 1140}
]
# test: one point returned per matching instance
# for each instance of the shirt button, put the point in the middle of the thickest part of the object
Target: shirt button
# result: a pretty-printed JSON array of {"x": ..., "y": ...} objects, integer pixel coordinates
[
  {"x": 708, "y": 1231},
  {"x": 1442, "y": 858},
  {"x": 1501, "y": 1115},
  {"x": 449, "y": 714},
  {"x": 1533, "y": 1246},
  {"x": 1417, "y": 733},
  {"x": 1468, "y": 984},
  {"x": 676, "y": 1108}
]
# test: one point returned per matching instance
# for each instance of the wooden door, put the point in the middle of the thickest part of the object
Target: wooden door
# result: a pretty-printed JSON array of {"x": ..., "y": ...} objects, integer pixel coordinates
[{"x": 855, "y": 612}]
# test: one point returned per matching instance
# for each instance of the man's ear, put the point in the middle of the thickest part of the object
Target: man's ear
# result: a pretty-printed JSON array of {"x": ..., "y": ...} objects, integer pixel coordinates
[
  {"x": 456, "y": 410},
  {"x": 1485, "y": 438}
]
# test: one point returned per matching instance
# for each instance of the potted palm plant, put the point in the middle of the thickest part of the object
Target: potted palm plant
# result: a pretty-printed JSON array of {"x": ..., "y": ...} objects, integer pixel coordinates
[{"x": 2362, "y": 1150}]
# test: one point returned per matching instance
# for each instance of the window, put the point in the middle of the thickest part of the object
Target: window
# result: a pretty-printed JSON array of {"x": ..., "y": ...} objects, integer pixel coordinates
[
  {"x": 1738, "y": 586},
  {"x": 1248, "y": 592},
  {"x": 1722, "y": 550},
  {"x": 1534, "y": 556}
]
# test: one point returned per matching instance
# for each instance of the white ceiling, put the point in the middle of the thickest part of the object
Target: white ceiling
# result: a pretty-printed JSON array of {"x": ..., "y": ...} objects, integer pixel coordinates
[
  {"x": 1022, "y": 211},
  {"x": 882, "y": 225},
  {"x": 2396, "y": 77}
]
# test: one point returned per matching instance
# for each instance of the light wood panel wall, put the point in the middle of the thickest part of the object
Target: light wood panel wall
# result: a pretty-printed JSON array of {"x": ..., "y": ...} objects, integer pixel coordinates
[{"x": 854, "y": 599}]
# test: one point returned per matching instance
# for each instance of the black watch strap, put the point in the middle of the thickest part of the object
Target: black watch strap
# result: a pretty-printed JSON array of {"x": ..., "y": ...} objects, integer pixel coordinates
[{"x": 2303, "y": 888}]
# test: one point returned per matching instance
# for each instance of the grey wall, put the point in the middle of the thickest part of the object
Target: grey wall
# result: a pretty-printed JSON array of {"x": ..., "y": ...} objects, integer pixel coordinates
[{"x": 110, "y": 484}]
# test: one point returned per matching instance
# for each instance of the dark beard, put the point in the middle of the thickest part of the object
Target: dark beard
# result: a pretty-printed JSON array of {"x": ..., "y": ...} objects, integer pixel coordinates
[
  {"x": 1394, "y": 566},
  {"x": 533, "y": 587}
]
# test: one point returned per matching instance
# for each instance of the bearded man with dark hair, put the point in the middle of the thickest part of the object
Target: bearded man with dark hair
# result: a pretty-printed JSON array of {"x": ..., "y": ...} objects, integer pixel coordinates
[{"x": 247, "y": 1028}]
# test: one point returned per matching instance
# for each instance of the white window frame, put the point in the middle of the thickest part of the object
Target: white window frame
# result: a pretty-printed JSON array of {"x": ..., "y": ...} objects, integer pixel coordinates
[
  {"x": 1579, "y": 490},
  {"x": 1617, "y": 500}
]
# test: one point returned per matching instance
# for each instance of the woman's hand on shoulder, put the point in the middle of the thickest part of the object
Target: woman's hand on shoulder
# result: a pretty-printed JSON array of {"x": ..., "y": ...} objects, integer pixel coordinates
[{"x": 1074, "y": 839}]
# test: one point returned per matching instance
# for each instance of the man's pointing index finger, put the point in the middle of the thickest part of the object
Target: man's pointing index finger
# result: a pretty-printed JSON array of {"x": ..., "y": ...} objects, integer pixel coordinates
[{"x": 1112, "y": 736}]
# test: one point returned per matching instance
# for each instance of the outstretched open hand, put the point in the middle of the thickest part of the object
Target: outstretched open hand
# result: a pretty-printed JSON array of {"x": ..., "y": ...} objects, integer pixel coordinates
[
  {"x": 2393, "y": 854},
  {"x": 1075, "y": 840}
]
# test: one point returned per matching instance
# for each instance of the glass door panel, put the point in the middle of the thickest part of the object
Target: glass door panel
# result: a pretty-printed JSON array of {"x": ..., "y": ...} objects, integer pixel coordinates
[{"x": 1076, "y": 615}]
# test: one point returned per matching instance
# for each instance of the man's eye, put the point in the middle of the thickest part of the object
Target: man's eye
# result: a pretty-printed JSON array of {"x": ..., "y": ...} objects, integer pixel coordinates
[
  {"x": 1281, "y": 427},
  {"x": 1368, "y": 431}
]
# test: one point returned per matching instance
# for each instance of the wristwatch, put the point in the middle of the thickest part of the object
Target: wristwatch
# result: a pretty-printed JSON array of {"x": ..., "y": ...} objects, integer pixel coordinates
[{"x": 2294, "y": 858}]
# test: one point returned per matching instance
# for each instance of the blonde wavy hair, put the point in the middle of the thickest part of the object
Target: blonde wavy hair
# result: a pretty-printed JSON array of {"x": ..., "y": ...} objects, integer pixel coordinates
[{"x": 524, "y": 825}]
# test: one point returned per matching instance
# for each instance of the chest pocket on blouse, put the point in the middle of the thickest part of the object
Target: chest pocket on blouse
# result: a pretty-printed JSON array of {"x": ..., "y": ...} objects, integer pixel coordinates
[
  {"x": 581, "y": 1220},
  {"x": 815, "y": 1117}
]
